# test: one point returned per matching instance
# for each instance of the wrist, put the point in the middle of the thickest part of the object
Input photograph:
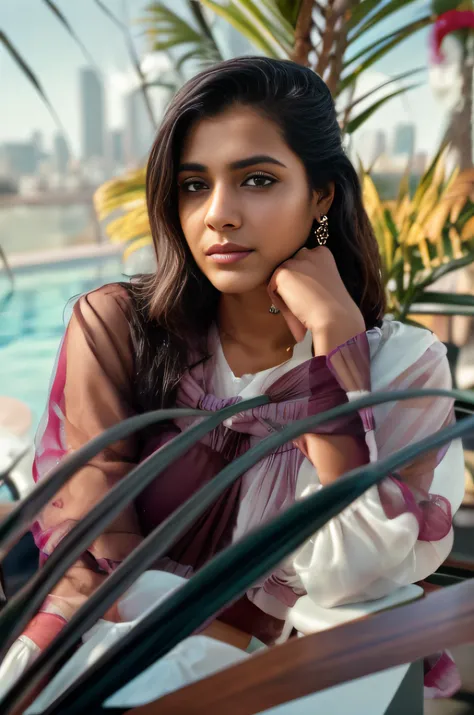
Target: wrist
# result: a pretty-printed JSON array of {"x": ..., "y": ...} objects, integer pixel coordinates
[
  {"x": 333, "y": 335},
  {"x": 43, "y": 628}
]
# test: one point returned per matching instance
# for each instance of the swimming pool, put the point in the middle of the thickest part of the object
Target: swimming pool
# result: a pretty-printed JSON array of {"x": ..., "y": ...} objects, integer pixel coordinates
[{"x": 33, "y": 320}]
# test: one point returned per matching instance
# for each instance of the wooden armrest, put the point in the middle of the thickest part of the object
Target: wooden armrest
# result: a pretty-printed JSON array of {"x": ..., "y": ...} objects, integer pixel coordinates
[
  {"x": 453, "y": 562},
  {"x": 306, "y": 665}
]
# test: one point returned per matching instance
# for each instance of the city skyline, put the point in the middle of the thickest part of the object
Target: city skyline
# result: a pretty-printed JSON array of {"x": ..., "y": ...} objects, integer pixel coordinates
[
  {"x": 102, "y": 147},
  {"x": 105, "y": 43}
]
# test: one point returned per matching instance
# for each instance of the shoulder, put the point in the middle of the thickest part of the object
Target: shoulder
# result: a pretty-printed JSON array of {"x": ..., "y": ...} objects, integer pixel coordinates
[
  {"x": 109, "y": 305},
  {"x": 103, "y": 316},
  {"x": 108, "y": 299}
]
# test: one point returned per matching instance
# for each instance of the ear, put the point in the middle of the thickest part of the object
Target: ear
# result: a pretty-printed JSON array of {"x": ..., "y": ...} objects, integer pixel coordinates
[{"x": 322, "y": 200}]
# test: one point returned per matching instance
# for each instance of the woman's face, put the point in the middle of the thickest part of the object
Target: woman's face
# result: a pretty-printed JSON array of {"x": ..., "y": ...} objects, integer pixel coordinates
[{"x": 240, "y": 184}]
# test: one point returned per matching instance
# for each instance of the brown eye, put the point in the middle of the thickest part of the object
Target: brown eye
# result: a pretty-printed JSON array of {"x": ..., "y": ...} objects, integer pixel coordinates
[
  {"x": 193, "y": 186},
  {"x": 260, "y": 181}
]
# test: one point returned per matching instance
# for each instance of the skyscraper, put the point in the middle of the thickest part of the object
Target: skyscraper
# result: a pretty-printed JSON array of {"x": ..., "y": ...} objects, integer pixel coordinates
[
  {"x": 92, "y": 115},
  {"x": 61, "y": 154},
  {"x": 404, "y": 142},
  {"x": 19, "y": 158}
]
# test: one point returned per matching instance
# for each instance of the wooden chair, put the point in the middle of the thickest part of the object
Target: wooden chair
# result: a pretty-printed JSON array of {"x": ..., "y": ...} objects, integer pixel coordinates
[{"x": 313, "y": 663}]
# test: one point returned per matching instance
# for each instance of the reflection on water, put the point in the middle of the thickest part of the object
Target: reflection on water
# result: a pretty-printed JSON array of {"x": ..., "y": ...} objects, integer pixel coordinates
[{"x": 36, "y": 228}]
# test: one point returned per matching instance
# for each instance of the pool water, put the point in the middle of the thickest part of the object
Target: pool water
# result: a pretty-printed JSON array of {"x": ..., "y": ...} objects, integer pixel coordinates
[{"x": 33, "y": 320}]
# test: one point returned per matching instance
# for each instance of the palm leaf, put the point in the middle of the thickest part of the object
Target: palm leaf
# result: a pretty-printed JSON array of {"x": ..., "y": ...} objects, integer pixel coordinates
[
  {"x": 166, "y": 29},
  {"x": 362, "y": 11},
  {"x": 159, "y": 541},
  {"x": 65, "y": 22},
  {"x": 31, "y": 76},
  {"x": 397, "y": 78},
  {"x": 133, "y": 57},
  {"x": 16, "y": 614},
  {"x": 289, "y": 10},
  {"x": 359, "y": 12},
  {"x": 205, "y": 28},
  {"x": 444, "y": 270},
  {"x": 458, "y": 299},
  {"x": 283, "y": 29},
  {"x": 355, "y": 123},
  {"x": 233, "y": 571},
  {"x": 248, "y": 20},
  {"x": 120, "y": 193},
  {"x": 378, "y": 49},
  {"x": 376, "y": 212},
  {"x": 427, "y": 178},
  {"x": 133, "y": 224}
]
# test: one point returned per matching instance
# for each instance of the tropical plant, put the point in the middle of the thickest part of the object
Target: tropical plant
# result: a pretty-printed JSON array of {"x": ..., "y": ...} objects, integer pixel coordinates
[
  {"x": 424, "y": 238},
  {"x": 125, "y": 196},
  {"x": 226, "y": 576},
  {"x": 326, "y": 36}
]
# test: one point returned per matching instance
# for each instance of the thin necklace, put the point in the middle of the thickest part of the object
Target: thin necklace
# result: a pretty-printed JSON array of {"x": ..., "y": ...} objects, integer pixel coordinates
[{"x": 224, "y": 334}]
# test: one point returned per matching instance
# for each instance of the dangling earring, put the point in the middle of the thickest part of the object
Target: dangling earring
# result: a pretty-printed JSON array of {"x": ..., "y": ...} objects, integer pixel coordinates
[
  {"x": 273, "y": 310},
  {"x": 322, "y": 231}
]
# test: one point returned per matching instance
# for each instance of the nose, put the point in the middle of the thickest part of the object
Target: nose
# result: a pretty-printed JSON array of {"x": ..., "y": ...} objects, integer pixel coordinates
[{"x": 223, "y": 213}]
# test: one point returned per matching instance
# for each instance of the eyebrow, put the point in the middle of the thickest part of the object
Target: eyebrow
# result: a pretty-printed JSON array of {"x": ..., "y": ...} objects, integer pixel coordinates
[{"x": 240, "y": 164}]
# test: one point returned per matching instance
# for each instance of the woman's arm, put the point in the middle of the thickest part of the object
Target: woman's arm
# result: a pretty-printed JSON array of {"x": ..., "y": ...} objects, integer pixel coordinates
[
  {"x": 400, "y": 531},
  {"x": 90, "y": 391}
]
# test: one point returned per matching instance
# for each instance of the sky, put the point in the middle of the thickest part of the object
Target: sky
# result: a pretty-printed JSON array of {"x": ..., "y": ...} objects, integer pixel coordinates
[{"x": 56, "y": 59}]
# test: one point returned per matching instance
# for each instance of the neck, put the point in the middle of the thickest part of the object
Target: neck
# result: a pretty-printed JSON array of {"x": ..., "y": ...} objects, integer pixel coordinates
[{"x": 245, "y": 318}]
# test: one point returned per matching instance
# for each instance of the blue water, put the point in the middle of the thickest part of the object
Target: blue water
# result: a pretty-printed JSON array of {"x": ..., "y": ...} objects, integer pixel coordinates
[{"x": 33, "y": 321}]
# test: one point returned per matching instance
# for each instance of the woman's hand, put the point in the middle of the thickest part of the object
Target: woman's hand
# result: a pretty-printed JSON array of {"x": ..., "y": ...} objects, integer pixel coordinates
[{"x": 309, "y": 292}]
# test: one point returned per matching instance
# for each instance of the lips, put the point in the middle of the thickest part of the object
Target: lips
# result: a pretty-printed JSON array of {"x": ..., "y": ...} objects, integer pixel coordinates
[
  {"x": 226, "y": 248},
  {"x": 227, "y": 253}
]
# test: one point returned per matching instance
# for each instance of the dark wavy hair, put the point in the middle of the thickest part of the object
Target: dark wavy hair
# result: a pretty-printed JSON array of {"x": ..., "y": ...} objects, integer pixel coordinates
[{"x": 173, "y": 308}]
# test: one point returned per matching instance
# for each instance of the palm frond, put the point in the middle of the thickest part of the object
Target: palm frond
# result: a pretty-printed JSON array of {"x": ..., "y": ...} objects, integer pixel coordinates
[
  {"x": 378, "y": 49},
  {"x": 355, "y": 123},
  {"x": 133, "y": 57},
  {"x": 363, "y": 18},
  {"x": 249, "y": 20},
  {"x": 32, "y": 78},
  {"x": 67, "y": 25},
  {"x": 166, "y": 29}
]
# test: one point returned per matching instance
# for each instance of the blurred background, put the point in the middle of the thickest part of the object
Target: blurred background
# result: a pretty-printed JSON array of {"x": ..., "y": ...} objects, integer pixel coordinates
[{"x": 85, "y": 85}]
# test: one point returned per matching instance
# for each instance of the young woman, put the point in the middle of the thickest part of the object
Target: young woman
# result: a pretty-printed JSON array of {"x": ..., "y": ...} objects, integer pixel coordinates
[{"x": 267, "y": 280}]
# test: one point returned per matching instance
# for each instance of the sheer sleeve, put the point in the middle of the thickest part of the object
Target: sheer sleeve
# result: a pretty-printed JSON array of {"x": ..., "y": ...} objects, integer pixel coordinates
[
  {"x": 400, "y": 531},
  {"x": 90, "y": 391}
]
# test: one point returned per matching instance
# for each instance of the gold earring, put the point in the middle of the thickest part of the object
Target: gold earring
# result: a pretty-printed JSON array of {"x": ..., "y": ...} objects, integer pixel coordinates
[{"x": 322, "y": 231}]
